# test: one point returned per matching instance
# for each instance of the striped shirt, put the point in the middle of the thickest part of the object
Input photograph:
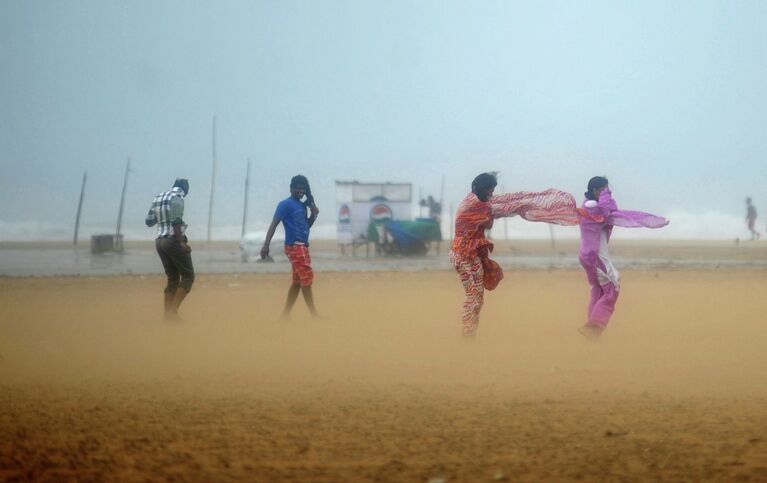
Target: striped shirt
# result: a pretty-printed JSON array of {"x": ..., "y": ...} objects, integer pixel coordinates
[{"x": 167, "y": 210}]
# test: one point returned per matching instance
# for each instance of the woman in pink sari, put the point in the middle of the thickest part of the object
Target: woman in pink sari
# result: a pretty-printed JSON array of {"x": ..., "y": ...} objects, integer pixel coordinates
[
  {"x": 470, "y": 253},
  {"x": 598, "y": 216}
]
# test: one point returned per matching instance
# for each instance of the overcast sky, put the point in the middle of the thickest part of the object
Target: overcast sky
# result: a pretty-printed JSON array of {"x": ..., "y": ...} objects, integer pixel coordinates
[{"x": 668, "y": 99}]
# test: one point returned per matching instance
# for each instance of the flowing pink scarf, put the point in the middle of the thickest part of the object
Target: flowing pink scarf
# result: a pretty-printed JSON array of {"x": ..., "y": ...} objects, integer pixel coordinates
[{"x": 550, "y": 206}]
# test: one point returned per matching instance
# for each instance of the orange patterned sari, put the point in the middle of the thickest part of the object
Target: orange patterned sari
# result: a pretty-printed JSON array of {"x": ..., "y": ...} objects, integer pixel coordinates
[{"x": 470, "y": 252}]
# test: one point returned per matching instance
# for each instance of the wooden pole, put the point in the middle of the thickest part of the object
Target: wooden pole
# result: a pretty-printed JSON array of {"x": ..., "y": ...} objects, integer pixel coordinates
[
  {"x": 441, "y": 199},
  {"x": 245, "y": 207},
  {"x": 442, "y": 191},
  {"x": 505, "y": 223},
  {"x": 551, "y": 235},
  {"x": 80, "y": 207},
  {"x": 122, "y": 198},
  {"x": 212, "y": 183}
]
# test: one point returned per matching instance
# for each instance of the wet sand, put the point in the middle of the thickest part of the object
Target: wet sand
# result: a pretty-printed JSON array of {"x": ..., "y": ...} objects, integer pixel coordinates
[
  {"x": 94, "y": 386},
  {"x": 35, "y": 259}
]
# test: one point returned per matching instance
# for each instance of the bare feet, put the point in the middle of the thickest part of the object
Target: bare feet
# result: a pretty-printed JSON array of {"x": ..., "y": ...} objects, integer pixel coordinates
[
  {"x": 173, "y": 317},
  {"x": 591, "y": 332},
  {"x": 315, "y": 316}
]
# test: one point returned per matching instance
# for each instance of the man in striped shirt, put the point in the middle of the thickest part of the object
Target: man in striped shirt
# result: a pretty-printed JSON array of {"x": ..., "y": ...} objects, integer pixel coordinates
[{"x": 167, "y": 212}]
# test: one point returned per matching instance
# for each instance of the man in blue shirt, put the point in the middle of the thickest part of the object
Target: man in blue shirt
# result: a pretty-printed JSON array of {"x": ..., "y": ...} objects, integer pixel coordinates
[{"x": 292, "y": 213}]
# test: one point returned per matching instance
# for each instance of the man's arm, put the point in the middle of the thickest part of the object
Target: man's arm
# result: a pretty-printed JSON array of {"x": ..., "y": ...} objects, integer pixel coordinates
[
  {"x": 180, "y": 237},
  {"x": 269, "y": 235},
  {"x": 151, "y": 218},
  {"x": 313, "y": 212},
  {"x": 176, "y": 216}
]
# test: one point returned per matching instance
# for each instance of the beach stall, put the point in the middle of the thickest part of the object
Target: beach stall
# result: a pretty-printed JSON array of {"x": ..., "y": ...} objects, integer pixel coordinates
[{"x": 380, "y": 215}]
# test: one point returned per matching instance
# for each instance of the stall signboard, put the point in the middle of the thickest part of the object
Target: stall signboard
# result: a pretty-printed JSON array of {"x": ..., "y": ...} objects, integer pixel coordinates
[{"x": 357, "y": 204}]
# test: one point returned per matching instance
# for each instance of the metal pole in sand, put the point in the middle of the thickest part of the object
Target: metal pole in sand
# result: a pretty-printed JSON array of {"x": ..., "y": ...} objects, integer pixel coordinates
[
  {"x": 441, "y": 210},
  {"x": 551, "y": 234},
  {"x": 442, "y": 191},
  {"x": 212, "y": 183},
  {"x": 80, "y": 207},
  {"x": 505, "y": 223},
  {"x": 122, "y": 199},
  {"x": 245, "y": 207}
]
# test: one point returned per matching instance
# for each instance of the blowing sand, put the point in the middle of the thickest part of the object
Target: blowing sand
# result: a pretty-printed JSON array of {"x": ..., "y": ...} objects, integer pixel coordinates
[{"x": 94, "y": 386}]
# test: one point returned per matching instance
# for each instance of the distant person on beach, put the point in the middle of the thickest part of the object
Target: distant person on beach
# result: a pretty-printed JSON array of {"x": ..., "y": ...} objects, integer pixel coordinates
[
  {"x": 292, "y": 212},
  {"x": 434, "y": 206},
  {"x": 598, "y": 216},
  {"x": 167, "y": 212},
  {"x": 751, "y": 220},
  {"x": 470, "y": 253}
]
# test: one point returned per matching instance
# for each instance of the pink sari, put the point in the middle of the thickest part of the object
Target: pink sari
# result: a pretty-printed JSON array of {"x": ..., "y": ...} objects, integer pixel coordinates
[{"x": 598, "y": 217}]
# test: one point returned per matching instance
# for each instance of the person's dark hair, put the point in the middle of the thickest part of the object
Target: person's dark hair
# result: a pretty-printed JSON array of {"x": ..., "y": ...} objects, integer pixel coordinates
[
  {"x": 482, "y": 183},
  {"x": 300, "y": 180},
  {"x": 182, "y": 183},
  {"x": 595, "y": 183}
]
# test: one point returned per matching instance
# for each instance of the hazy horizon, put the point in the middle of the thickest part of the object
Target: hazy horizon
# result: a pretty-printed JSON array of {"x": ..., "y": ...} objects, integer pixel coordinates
[{"x": 667, "y": 100}]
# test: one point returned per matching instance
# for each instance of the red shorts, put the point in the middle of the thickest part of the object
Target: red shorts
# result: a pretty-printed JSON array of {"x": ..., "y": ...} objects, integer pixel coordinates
[{"x": 301, "y": 263}]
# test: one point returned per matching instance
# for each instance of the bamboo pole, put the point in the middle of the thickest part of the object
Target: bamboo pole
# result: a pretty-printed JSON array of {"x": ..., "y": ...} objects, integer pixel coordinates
[
  {"x": 80, "y": 207},
  {"x": 551, "y": 235},
  {"x": 505, "y": 223},
  {"x": 212, "y": 183},
  {"x": 122, "y": 199},
  {"x": 245, "y": 207}
]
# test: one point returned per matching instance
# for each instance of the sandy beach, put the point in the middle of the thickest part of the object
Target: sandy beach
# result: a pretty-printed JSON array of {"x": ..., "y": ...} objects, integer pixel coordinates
[
  {"x": 95, "y": 386},
  {"x": 377, "y": 135}
]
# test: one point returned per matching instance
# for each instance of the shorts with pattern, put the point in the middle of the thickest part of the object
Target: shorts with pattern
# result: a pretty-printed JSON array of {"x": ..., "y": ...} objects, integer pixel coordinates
[{"x": 301, "y": 262}]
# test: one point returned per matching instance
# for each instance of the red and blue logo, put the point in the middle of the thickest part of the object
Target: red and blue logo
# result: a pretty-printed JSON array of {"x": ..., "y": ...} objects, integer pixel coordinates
[
  {"x": 380, "y": 213},
  {"x": 344, "y": 215}
]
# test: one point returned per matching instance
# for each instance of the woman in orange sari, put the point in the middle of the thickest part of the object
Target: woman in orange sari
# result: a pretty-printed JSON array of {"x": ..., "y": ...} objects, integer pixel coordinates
[{"x": 470, "y": 253}]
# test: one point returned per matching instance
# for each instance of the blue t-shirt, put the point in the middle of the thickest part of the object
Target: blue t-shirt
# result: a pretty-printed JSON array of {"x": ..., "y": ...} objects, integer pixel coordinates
[{"x": 292, "y": 214}]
